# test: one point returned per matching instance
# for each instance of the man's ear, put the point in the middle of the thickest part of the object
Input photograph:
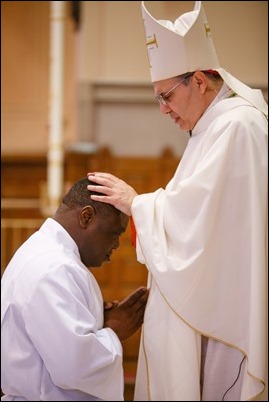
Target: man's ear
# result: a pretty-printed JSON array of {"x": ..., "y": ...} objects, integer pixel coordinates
[
  {"x": 200, "y": 80},
  {"x": 86, "y": 215}
]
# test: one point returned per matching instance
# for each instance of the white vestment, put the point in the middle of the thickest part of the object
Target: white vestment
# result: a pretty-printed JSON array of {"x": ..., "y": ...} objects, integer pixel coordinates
[
  {"x": 53, "y": 344},
  {"x": 204, "y": 241}
]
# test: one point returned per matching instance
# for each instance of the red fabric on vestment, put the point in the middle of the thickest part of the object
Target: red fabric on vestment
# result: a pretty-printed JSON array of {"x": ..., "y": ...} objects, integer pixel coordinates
[{"x": 133, "y": 232}]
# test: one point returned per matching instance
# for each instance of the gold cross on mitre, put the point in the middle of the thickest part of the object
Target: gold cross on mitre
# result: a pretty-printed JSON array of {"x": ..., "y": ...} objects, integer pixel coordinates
[
  {"x": 152, "y": 41},
  {"x": 207, "y": 29}
]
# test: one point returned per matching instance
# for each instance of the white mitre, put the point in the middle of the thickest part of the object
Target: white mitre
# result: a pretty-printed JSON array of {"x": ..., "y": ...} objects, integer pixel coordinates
[{"x": 186, "y": 46}]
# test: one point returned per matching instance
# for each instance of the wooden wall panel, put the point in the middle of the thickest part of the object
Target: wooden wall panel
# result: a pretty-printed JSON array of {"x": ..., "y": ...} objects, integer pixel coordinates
[{"x": 21, "y": 175}]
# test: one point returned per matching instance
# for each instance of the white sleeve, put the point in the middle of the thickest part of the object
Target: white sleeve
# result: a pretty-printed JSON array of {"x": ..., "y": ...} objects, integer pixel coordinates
[{"x": 67, "y": 333}]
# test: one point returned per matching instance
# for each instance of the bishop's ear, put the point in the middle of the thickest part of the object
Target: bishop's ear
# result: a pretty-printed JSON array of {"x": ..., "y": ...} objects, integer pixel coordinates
[
  {"x": 200, "y": 80},
  {"x": 86, "y": 215}
]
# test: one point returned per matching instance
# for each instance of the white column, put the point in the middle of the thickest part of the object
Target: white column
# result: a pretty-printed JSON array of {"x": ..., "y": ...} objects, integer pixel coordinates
[{"x": 55, "y": 157}]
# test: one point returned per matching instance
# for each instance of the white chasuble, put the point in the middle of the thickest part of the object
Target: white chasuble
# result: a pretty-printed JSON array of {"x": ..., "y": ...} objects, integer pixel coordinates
[{"x": 203, "y": 240}]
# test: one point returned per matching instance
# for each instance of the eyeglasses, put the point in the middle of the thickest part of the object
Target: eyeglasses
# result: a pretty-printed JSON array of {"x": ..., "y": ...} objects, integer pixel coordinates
[{"x": 162, "y": 98}]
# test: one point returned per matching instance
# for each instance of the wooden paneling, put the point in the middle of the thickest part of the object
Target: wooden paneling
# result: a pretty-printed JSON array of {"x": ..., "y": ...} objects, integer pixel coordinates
[
  {"x": 14, "y": 232},
  {"x": 21, "y": 175}
]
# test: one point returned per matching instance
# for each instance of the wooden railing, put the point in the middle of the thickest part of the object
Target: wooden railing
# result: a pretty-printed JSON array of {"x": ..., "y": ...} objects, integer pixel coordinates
[{"x": 13, "y": 233}]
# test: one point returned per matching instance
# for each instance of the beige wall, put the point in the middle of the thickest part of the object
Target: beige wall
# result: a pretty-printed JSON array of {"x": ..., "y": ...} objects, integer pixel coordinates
[
  {"x": 108, "y": 93},
  {"x": 117, "y": 107},
  {"x": 25, "y": 27},
  {"x": 113, "y": 38}
]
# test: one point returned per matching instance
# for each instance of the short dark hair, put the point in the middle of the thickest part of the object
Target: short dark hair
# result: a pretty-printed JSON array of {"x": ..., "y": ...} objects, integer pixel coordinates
[{"x": 79, "y": 196}]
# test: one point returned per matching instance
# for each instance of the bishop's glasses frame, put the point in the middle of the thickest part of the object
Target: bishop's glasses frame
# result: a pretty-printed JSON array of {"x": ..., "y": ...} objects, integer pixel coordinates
[{"x": 162, "y": 98}]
